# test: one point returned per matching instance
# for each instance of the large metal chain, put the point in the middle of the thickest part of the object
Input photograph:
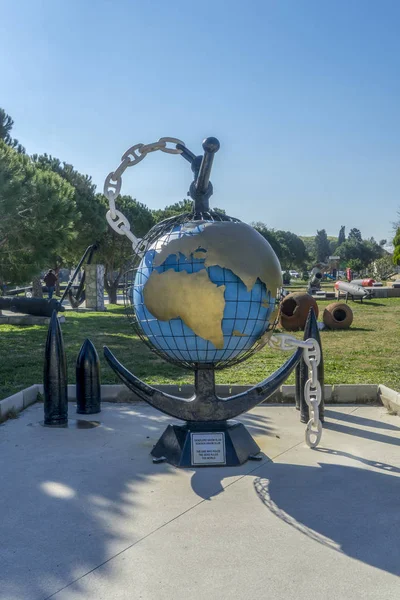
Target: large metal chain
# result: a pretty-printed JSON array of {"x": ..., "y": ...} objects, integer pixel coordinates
[
  {"x": 313, "y": 394},
  {"x": 282, "y": 341},
  {"x": 113, "y": 182},
  {"x": 312, "y": 388}
]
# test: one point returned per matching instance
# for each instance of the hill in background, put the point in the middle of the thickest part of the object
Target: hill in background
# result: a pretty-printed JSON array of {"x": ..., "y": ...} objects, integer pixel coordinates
[{"x": 309, "y": 242}]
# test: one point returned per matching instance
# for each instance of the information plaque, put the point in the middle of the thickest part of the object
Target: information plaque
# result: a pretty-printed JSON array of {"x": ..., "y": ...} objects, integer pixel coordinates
[{"x": 208, "y": 448}]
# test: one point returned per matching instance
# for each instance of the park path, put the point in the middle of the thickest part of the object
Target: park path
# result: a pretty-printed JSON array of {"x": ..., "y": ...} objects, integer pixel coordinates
[{"x": 87, "y": 515}]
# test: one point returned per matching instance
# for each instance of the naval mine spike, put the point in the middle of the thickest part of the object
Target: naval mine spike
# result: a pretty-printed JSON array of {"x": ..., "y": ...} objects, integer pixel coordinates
[
  {"x": 55, "y": 377},
  {"x": 88, "y": 390}
]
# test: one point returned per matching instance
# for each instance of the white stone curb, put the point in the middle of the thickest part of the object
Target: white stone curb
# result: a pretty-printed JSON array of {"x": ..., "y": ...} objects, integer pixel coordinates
[
  {"x": 334, "y": 394},
  {"x": 389, "y": 398},
  {"x": 18, "y": 401}
]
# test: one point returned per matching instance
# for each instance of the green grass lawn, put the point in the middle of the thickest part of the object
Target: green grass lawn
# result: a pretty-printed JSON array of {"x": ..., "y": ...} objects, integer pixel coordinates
[{"x": 367, "y": 353}]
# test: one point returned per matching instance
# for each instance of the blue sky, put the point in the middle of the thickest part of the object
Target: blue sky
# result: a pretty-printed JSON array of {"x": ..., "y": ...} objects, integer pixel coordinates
[{"x": 304, "y": 96}]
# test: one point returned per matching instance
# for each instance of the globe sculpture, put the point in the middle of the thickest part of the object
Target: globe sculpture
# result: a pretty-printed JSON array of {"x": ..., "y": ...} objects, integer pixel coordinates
[{"x": 203, "y": 293}]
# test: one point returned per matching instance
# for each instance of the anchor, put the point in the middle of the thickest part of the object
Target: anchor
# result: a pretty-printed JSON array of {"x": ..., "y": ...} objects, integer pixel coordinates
[
  {"x": 79, "y": 297},
  {"x": 210, "y": 436}
]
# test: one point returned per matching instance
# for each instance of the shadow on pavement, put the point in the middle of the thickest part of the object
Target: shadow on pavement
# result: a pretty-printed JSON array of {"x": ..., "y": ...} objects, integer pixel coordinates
[
  {"x": 71, "y": 500},
  {"x": 207, "y": 482},
  {"x": 348, "y": 509},
  {"x": 357, "y": 420},
  {"x": 363, "y": 433}
]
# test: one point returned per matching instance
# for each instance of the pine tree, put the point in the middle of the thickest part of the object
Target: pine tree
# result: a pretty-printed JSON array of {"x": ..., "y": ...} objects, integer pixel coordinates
[
  {"x": 6, "y": 125},
  {"x": 38, "y": 213},
  {"x": 355, "y": 235},
  {"x": 342, "y": 235},
  {"x": 322, "y": 246}
]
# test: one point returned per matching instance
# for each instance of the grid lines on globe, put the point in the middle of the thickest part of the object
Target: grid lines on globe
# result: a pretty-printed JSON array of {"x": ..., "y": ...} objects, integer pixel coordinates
[{"x": 245, "y": 317}]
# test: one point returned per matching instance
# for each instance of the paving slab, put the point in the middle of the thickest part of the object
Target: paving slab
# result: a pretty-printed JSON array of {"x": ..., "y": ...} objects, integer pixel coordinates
[{"x": 85, "y": 514}]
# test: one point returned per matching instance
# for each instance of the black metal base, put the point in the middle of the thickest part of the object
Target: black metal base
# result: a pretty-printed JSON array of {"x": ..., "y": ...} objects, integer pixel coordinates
[{"x": 206, "y": 444}]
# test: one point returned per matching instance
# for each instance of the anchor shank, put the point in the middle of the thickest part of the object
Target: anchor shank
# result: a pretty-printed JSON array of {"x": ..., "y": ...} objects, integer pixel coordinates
[
  {"x": 201, "y": 188},
  {"x": 204, "y": 384}
]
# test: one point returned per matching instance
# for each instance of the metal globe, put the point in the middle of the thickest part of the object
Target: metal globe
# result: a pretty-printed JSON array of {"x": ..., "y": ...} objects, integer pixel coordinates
[{"x": 204, "y": 291}]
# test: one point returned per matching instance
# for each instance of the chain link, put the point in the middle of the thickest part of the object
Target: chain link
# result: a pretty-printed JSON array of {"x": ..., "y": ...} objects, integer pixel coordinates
[
  {"x": 282, "y": 341},
  {"x": 132, "y": 152},
  {"x": 313, "y": 372},
  {"x": 312, "y": 387},
  {"x": 313, "y": 394},
  {"x": 313, "y": 436},
  {"x": 111, "y": 191},
  {"x": 313, "y": 391},
  {"x": 313, "y": 351},
  {"x": 113, "y": 182},
  {"x": 121, "y": 225},
  {"x": 147, "y": 148}
]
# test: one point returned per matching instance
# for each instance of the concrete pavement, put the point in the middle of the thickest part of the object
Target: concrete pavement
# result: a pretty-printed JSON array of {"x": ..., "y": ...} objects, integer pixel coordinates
[{"x": 85, "y": 514}]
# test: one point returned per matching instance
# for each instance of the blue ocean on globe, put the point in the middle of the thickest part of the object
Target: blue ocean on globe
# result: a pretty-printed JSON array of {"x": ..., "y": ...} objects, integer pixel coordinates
[{"x": 246, "y": 314}]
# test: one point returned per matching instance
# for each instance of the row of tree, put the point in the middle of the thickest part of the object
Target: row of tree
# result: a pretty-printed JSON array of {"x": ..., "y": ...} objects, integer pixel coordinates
[
  {"x": 354, "y": 251},
  {"x": 289, "y": 247},
  {"x": 303, "y": 252},
  {"x": 50, "y": 213}
]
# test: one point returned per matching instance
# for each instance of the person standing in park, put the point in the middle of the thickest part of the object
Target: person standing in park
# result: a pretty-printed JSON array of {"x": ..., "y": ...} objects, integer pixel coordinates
[{"x": 50, "y": 280}]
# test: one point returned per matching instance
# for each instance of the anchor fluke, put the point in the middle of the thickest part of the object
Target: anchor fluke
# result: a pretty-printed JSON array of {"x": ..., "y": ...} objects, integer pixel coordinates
[{"x": 204, "y": 405}]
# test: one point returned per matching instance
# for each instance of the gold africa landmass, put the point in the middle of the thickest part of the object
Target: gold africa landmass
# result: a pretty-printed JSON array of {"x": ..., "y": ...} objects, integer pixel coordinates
[{"x": 193, "y": 297}]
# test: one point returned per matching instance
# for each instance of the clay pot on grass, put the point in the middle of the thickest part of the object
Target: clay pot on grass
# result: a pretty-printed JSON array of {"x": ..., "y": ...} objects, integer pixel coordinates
[
  {"x": 338, "y": 316},
  {"x": 294, "y": 310}
]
